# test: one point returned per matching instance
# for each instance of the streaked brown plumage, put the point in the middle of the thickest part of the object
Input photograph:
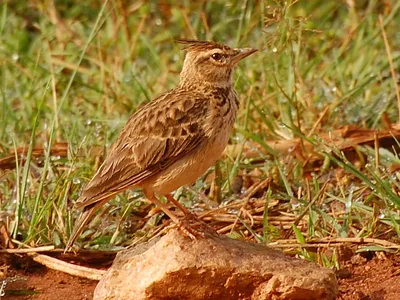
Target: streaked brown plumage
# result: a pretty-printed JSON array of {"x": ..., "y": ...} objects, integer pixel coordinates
[{"x": 173, "y": 139}]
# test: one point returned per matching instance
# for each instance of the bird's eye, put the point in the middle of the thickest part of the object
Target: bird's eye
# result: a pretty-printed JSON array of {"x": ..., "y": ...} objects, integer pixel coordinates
[{"x": 216, "y": 56}]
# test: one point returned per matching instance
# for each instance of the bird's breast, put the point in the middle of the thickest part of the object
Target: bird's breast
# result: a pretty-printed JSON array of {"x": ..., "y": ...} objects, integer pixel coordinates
[{"x": 190, "y": 167}]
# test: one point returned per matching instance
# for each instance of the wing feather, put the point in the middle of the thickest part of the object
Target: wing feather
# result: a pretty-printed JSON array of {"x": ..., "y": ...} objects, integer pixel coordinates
[{"x": 159, "y": 134}]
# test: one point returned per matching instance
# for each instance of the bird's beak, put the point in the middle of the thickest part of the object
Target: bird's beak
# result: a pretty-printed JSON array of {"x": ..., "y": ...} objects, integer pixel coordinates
[{"x": 242, "y": 53}]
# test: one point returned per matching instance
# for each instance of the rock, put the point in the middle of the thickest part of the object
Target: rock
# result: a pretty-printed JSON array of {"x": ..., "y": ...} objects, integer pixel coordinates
[{"x": 216, "y": 267}]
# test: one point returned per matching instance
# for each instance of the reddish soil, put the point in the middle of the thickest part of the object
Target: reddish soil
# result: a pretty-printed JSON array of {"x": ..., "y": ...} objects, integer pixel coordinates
[
  {"x": 46, "y": 284},
  {"x": 374, "y": 279}
]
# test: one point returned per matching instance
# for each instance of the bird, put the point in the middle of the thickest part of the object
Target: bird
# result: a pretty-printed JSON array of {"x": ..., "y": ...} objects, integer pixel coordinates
[{"x": 172, "y": 140}]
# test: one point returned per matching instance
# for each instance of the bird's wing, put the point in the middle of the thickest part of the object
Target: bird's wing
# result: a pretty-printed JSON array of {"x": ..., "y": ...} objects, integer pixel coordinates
[{"x": 160, "y": 133}]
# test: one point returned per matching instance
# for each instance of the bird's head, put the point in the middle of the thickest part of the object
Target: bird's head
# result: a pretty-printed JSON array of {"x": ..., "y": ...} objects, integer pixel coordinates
[{"x": 210, "y": 63}]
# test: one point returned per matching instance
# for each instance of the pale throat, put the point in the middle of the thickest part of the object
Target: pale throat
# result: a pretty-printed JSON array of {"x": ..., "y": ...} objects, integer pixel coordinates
[{"x": 191, "y": 77}]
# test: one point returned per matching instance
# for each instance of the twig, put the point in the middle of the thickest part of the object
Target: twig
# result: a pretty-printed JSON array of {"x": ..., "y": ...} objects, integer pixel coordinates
[
  {"x": 228, "y": 218},
  {"x": 28, "y": 250},
  {"x": 5, "y": 238},
  {"x": 332, "y": 242},
  {"x": 229, "y": 227},
  {"x": 235, "y": 204},
  {"x": 299, "y": 245},
  {"x": 360, "y": 241},
  {"x": 261, "y": 185},
  {"x": 318, "y": 121},
  {"x": 59, "y": 265},
  {"x": 306, "y": 210}
]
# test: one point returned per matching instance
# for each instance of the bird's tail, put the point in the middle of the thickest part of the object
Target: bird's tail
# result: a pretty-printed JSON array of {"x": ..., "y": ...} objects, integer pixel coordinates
[
  {"x": 84, "y": 218},
  {"x": 78, "y": 227}
]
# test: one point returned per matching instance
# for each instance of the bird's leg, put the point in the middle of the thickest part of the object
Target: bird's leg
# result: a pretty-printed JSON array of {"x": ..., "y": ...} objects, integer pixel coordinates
[
  {"x": 189, "y": 215},
  {"x": 185, "y": 211},
  {"x": 186, "y": 229}
]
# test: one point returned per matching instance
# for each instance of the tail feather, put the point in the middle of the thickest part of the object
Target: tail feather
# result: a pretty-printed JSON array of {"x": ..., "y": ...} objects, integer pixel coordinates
[{"x": 83, "y": 220}]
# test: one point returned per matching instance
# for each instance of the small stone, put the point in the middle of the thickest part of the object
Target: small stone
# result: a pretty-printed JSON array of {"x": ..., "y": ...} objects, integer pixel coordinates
[
  {"x": 358, "y": 259},
  {"x": 343, "y": 273}
]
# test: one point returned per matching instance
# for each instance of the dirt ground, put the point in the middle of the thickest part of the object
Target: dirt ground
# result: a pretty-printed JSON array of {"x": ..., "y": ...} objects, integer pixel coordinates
[
  {"x": 363, "y": 279},
  {"x": 47, "y": 284},
  {"x": 375, "y": 279}
]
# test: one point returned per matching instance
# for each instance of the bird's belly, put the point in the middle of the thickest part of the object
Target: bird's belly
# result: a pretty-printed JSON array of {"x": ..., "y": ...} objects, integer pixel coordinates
[{"x": 188, "y": 169}]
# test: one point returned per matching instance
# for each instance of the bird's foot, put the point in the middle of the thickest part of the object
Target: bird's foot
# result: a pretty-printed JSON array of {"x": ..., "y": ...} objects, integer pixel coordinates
[
  {"x": 193, "y": 227},
  {"x": 190, "y": 231},
  {"x": 192, "y": 218}
]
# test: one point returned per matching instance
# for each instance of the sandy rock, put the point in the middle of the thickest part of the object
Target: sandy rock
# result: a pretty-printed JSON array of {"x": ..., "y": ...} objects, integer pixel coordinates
[{"x": 216, "y": 267}]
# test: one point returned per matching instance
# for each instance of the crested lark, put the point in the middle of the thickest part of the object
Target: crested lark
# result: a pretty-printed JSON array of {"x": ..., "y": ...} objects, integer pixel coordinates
[{"x": 175, "y": 138}]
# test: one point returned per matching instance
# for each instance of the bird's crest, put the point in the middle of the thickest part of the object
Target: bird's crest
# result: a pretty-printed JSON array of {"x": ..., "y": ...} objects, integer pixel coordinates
[{"x": 194, "y": 45}]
